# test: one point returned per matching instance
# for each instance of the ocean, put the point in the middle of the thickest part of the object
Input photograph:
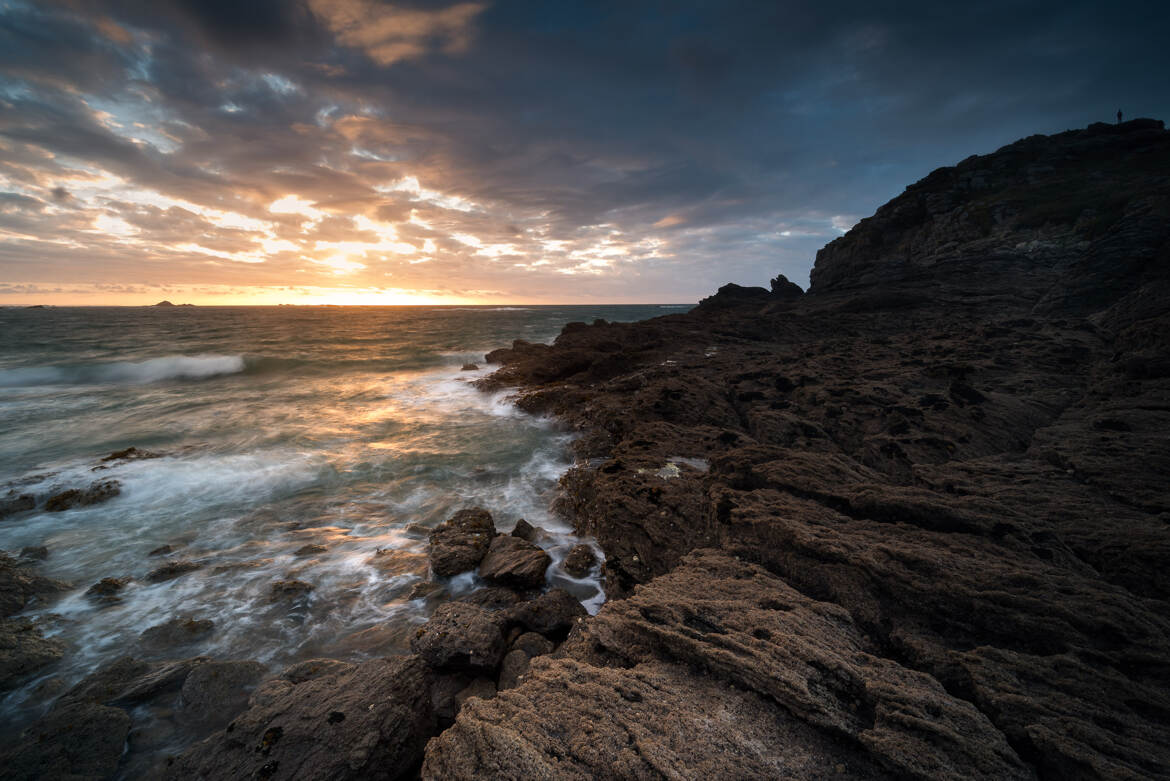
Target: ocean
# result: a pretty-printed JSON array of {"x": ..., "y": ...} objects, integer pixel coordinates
[{"x": 289, "y": 443}]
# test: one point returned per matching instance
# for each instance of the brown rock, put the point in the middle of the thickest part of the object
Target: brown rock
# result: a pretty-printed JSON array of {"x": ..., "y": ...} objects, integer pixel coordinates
[
  {"x": 97, "y": 492},
  {"x": 34, "y": 553},
  {"x": 511, "y": 561},
  {"x": 21, "y": 587},
  {"x": 107, "y": 589},
  {"x": 459, "y": 544},
  {"x": 513, "y": 666},
  {"x": 526, "y": 531},
  {"x": 81, "y": 740},
  {"x": 290, "y": 589},
  {"x": 460, "y": 636},
  {"x": 532, "y": 644},
  {"x": 215, "y": 692},
  {"x": 314, "y": 668},
  {"x": 12, "y": 503},
  {"x": 311, "y": 549},
  {"x": 162, "y": 550},
  {"x": 24, "y": 650},
  {"x": 176, "y": 632},
  {"x": 552, "y": 614},
  {"x": 370, "y": 722},
  {"x": 579, "y": 561},
  {"x": 171, "y": 570}
]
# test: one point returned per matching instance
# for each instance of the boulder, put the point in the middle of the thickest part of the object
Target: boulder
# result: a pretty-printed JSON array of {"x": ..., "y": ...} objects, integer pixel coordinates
[
  {"x": 513, "y": 666},
  {"x": 511, "y": 561},
  {"x": 97, "y": 492},
  {"x": 579, "y": 561},
  {"x": 460, "y": 636},
  {"x": 470, "y": 367},
  {"x": 459, "y": 544},
  {"x": 526, "y": 531},
  {"x": 532, "y": 644},
  {"x": 551, "y": 614},
  {"x": 369, "y": 722},
  {"x": 314, "y": 668},
  {"x": 34, "y": 553}
]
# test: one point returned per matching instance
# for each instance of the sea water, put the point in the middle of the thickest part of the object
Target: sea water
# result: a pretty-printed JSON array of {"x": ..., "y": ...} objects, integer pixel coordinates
[{"x": 274, "y": 429}]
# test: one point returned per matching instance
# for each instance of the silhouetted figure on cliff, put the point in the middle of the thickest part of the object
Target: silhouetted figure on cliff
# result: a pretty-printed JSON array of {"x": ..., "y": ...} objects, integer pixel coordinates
[{"x": 1119, "y": 116}]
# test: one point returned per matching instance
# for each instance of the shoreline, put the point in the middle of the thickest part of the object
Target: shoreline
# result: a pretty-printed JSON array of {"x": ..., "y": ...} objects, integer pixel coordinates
[{"x": 912, "y": 523}]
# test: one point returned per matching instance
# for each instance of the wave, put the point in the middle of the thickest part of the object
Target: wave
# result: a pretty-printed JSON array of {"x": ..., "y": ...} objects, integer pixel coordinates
[{"x": 171, "y": 367}]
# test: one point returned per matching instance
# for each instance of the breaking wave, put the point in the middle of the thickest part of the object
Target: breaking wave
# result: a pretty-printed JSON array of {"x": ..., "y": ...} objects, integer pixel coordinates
[{"x": 171, "y": 367}]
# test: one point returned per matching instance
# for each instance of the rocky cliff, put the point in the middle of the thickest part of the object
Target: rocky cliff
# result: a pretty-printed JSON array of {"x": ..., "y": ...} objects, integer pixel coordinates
[{"x": 914, "y": 523}]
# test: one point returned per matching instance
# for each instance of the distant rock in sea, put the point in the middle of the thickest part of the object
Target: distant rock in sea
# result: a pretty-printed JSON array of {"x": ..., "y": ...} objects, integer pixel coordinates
[{"x": 164, "y": 303}]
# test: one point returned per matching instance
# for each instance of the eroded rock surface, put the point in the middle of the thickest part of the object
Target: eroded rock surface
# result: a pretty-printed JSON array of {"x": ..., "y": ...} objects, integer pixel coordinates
[
  {"x": 461, "y": 542},
  {"x": 916, "y": 517}
]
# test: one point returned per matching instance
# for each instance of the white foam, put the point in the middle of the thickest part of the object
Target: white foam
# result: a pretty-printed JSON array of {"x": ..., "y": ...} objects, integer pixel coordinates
[{"x": 169, "y": 367}]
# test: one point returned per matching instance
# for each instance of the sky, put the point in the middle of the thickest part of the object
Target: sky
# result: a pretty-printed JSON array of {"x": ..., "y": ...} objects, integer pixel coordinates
[{"x": 369, "y": 152}]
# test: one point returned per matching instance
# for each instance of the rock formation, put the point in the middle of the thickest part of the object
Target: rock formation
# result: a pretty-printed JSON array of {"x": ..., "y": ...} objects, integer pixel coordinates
[{"x": 931, "y": 530}]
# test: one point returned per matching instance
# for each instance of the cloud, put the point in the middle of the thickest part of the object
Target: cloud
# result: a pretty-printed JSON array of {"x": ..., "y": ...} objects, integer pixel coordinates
[{"x": 389, "y": 34}]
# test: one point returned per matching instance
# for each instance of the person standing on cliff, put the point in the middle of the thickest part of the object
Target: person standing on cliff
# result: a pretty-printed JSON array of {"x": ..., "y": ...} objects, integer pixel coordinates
[{"x": 1119, "y": 116}]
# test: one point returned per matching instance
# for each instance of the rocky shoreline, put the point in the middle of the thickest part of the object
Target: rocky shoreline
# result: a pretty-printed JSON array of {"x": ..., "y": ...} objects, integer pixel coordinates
[{"x": 912, "y": 523}]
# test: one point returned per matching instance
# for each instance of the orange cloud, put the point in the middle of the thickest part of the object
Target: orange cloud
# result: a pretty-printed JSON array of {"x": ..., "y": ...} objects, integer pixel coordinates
[{"x": 388, "y": 34}]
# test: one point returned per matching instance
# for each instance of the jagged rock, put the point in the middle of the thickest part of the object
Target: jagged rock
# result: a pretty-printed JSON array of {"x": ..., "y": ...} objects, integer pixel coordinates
[
  {"x": 34, "y": 553},
  {"x": 551, "y": 614},
  {"x": 215, "y": 692},
  {"x": 459, "y": 544},
  {"x": 19, "y": 586},
  {"x": 784, "y": 290},
  {"x": 460, "y": 636},
  {"x": 957, "y": 437},
  {"x": 130, "y": 681},
  {"x": 369, "y": 722},
  {"x": 178, "y": 631},
  {"x": 97, "y": 492},
  {"x": 514, "y": 562},
  {"x": 579, "y": 561},
  {"x": 171, "y": 570},
  {"x": 526, "y": 531},
  {"x": 23, "y": 651}
]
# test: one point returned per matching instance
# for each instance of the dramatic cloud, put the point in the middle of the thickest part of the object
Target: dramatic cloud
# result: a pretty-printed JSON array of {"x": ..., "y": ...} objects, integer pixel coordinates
[{"x": 358, "y": 150}]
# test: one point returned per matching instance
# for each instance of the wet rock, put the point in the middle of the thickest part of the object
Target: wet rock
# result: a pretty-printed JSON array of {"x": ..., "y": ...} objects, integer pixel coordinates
[
  {"x": 513, "y": 666},
  {"x": 289, "y": 589},
  {"x": 34, "y": 553},
  {"x": 13, "y": 503},
  {"x": 24, "y": 650},
  {"x": 314, "y": 668},
  {"x": 424, "y": 589},
  {"x": 312, "y": 549},
  {"x": 171, "y": 570},
  {"x": 370, "y": 722},
  {"x": 551, "y": 614},
  {"x": 460, "y": 636},
  {"x": 20, "y": 586},
  {"x": 526, "y": 531},
  {"x": 579, "y": 561},
  {"x": 215, "y": 692},
  {"x": 130, "y": 681},
  {"x": 470, "y": 367},
  {"x": 492, "y": 598},
  {"x": 459, "y": 544},
  {"x": 177, "y": 632},
  {"x": 130, "y": 454},
  {"x": 511, "y": 561},
  {"x": 107, "y": 589},
  {"x": 78, "y": 741},
  {"x": 392, "y": 562},
  {"x": 162, "y": 550},
  {"x": 97, "y": 492}
]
